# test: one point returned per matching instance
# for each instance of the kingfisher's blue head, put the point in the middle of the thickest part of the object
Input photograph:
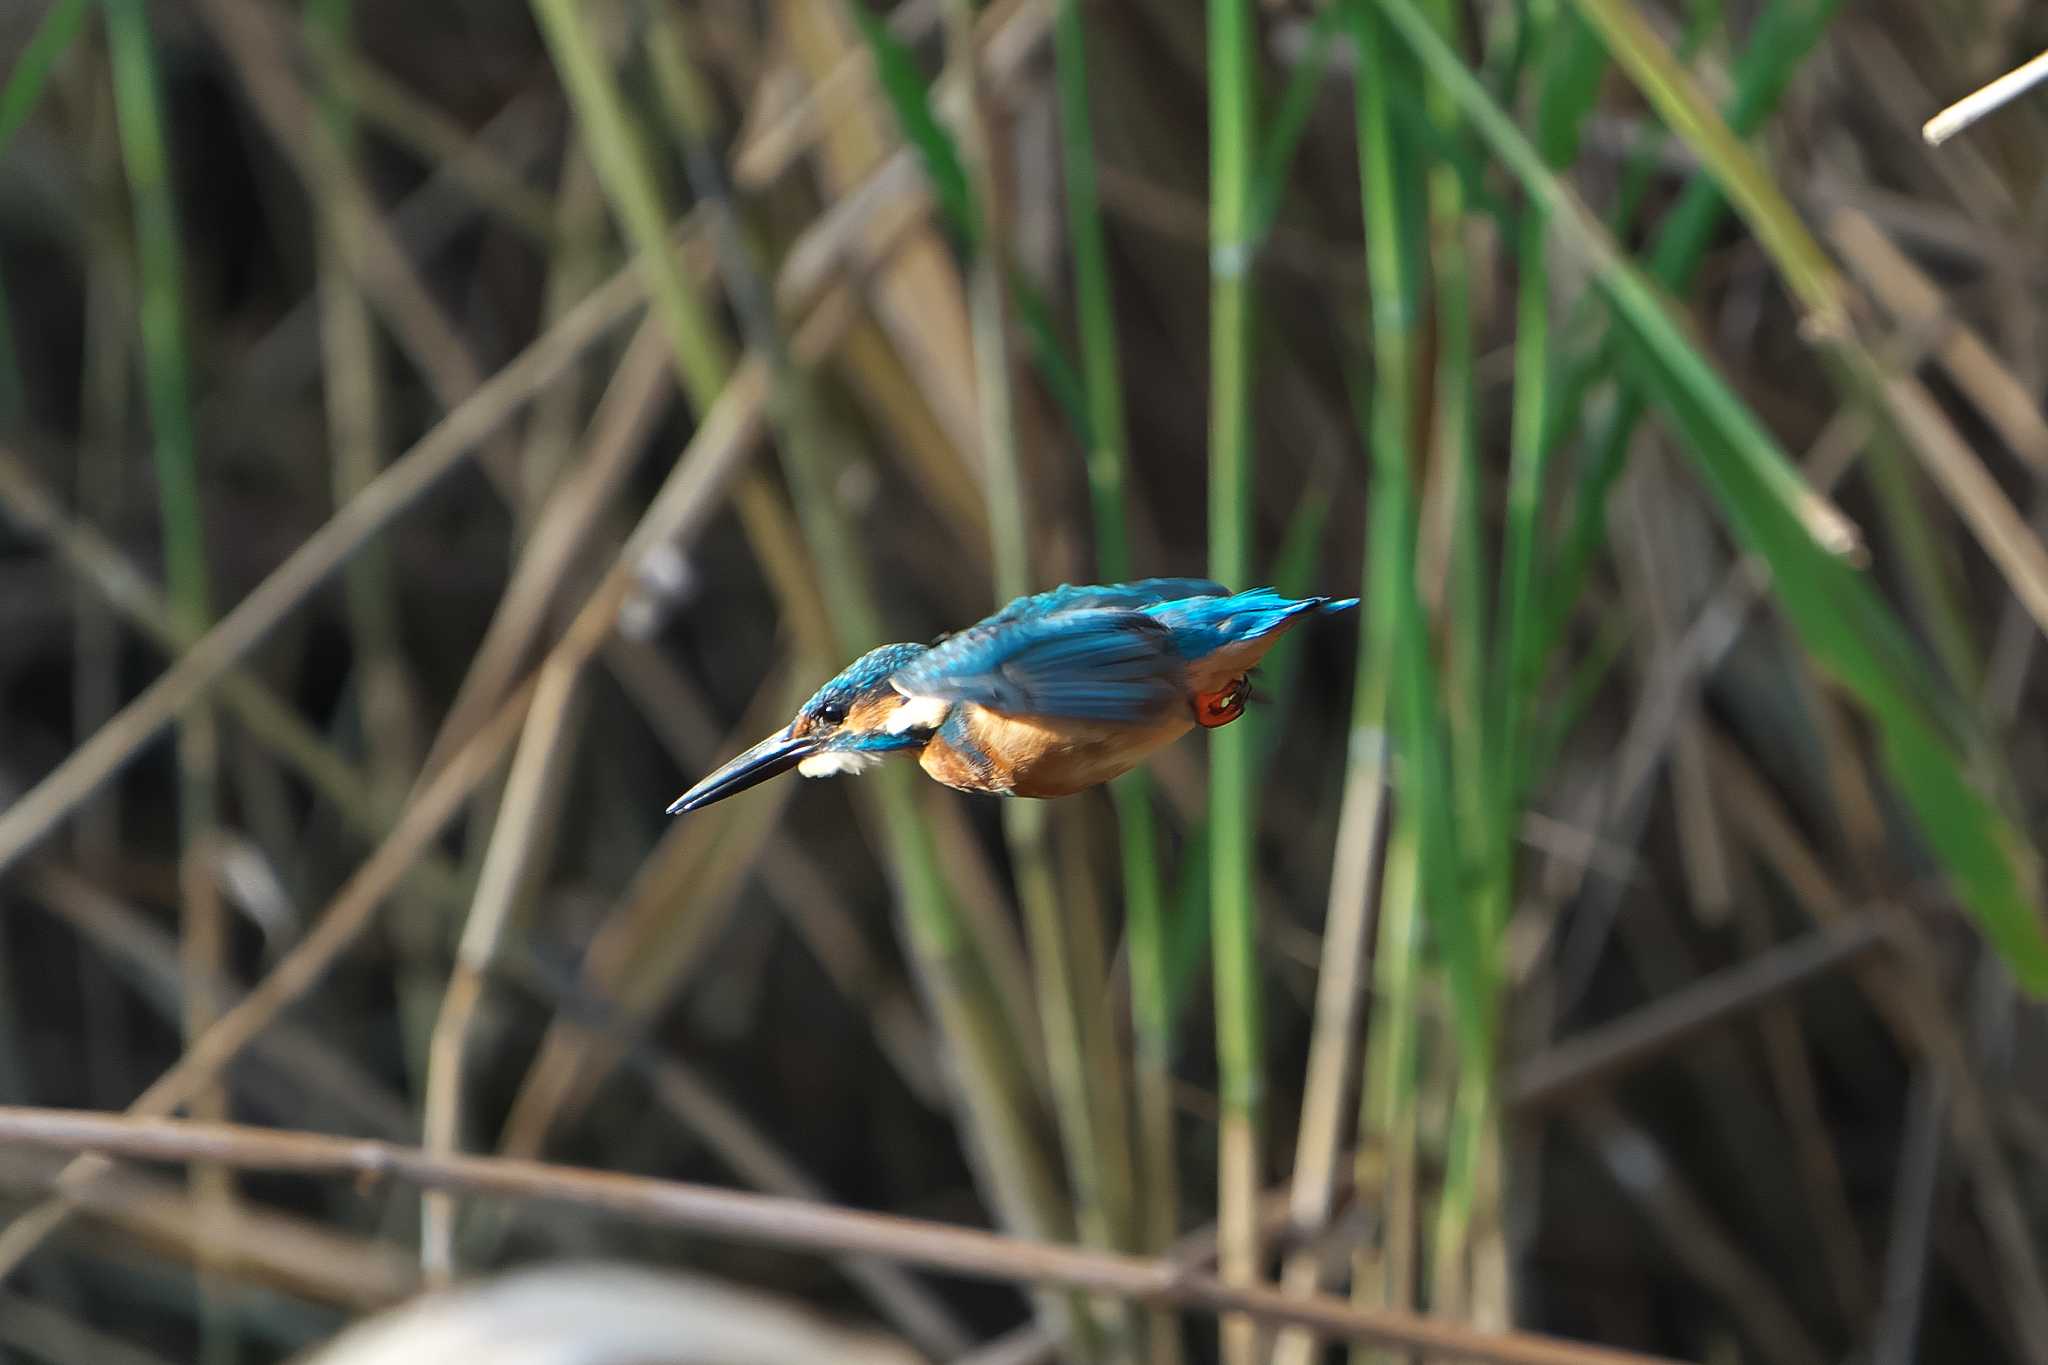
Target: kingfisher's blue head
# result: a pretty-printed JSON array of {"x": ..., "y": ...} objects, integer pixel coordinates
[{"x": 843, "y": 728}]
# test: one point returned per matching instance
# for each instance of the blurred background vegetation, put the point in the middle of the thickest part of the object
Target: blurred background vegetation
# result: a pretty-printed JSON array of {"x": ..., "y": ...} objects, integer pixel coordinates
[{"x": 432, "y": 435}]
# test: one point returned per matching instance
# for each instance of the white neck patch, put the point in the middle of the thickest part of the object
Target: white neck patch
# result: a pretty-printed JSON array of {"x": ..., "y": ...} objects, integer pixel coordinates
[
  {"x": 845, "y": 761},
  {"x": 918, "y": 713}
]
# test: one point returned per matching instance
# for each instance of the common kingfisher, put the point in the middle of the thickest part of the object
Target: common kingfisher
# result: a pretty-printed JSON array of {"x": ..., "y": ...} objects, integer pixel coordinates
[{"x": 1053, "y": 694}]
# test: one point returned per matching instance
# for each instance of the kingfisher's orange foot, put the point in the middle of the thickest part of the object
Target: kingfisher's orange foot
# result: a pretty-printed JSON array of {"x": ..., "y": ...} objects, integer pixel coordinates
[{"x": 1214, "y": 709}]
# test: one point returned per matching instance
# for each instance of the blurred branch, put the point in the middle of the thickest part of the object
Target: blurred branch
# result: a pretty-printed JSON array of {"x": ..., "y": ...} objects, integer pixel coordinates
[
  {"x": 376, "y": 259},
  {"x": 34, "y": 509},
  {"x": 438, "y": 140},
  {"x": 336, "y": 929},
  {"x": 514, "y": 868},
  {"x": 1694, "y": 1236},
  {"x": 1598, "y": 1056},
  {"x": 767, "y": 1220},
  {"x": 409, "y": 478}
]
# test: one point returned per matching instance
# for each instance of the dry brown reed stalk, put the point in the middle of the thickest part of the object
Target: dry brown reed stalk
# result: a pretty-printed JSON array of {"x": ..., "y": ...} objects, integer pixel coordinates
[
  {"x": 513, "y": 866},
  {"x": 663, "y": 926},
  {"x": 1660, "y": 587},
  {"x": 1907, "y": 996},
  {"x": 147, "y": 955},
  {"x": 918, "y": 1312},
  {"x": 439, "y": 140},
  {"x": 566, "y": 1067},
  {"x": 283, "y": 361},
  {"x": 752, "y": 1154},
  {"x": 116, "y": 580},
  {"x": 726, "y": 435},
  {"x": 1061, "y": 935},
  {"x": 354, "y": 391},
  {"x": 1599, "y": 1056},
  {"x": 1905, "y": 291},
  {"x": 633, "y": 402},
  {"x": 919, "y": 302},
  {"x": 990, "y": 915},
  {"x": 781, "y": 1222},
  {"x": 2014, "y": 547},
  {"x": 1327, "y": 1105},
  {"x": 776, "y": 135},
  {"x": 792, "y": 874},
  {"x": 400, "y": 486},
  {"x": 261, "y": 1247},
  {"x": 1693, "y": 1234},
  {"x": 997, "y": 1103},
  {"x": 337, "y": 927},
  {"x": 380, "y": 266},
  {"x": 350, "y": 913}
]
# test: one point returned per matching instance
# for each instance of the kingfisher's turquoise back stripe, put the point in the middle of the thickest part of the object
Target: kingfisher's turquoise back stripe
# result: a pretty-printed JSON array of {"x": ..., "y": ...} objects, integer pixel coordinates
[{"x": 1058, "y": 691}]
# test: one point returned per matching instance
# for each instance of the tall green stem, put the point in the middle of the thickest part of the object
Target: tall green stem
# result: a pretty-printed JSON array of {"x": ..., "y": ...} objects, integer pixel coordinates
[
  {"x": 145, "y": 154},
  {"x": 995, "y": 1096},
  {"x": 1099, "y": 1180},
  {"x": 1233, "y": 133},
  {"x": 1108, "y": 459}
]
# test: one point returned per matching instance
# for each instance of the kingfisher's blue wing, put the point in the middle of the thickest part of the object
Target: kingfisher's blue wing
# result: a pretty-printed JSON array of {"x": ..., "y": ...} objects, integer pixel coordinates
[
  {"x": 1094, "y": 663},
  {"x": 1201, "y": 626},
  {"x": 1144, "y": 592}
]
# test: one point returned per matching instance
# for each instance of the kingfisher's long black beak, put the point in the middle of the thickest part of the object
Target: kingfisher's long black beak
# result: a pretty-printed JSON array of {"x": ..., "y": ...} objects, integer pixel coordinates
[{"x": 772, "y": 757}]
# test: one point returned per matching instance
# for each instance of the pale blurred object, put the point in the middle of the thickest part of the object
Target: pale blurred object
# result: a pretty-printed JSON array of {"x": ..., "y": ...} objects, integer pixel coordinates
[
  {"x": 1988, "y": 99},
  {"x": 604, "y": 1314},
  {"x": 664, "y": 582}
]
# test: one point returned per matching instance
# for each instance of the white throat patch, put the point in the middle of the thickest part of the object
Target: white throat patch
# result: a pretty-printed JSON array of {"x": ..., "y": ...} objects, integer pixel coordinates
[
  {"x": 846, "y": 761},
  {"x": 918, "y": 713}
]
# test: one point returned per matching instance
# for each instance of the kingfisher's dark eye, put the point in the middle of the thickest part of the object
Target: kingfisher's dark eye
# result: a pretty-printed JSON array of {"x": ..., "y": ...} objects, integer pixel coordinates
[{"x": 832, "y": 712}]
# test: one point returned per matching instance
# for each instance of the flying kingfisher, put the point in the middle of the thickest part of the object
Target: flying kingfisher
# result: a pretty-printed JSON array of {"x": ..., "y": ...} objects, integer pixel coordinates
[{"x": 1051, "y": 695}]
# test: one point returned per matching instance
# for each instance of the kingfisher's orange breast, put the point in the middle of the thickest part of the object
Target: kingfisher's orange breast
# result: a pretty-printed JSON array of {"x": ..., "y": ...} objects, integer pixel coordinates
[{"x": 1043, "y": 757}]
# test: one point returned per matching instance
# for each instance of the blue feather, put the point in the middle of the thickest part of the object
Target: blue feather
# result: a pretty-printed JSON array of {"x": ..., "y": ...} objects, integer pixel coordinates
[
  {"x": 1091, "y": 663},
  {"x": 1076, "y": 597},
  {"x": 1117, "y": 652},
  {"x": 869, "y": 671},
  {"x": 1200, "y": 626}
]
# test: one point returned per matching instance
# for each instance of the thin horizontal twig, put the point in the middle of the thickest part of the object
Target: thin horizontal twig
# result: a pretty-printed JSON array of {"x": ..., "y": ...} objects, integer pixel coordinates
[{"x": 770, "y": 1220}]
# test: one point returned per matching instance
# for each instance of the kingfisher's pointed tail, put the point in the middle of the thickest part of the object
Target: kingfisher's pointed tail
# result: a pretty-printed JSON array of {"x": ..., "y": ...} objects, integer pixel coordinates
[{"x": 1202, "y": 625}]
